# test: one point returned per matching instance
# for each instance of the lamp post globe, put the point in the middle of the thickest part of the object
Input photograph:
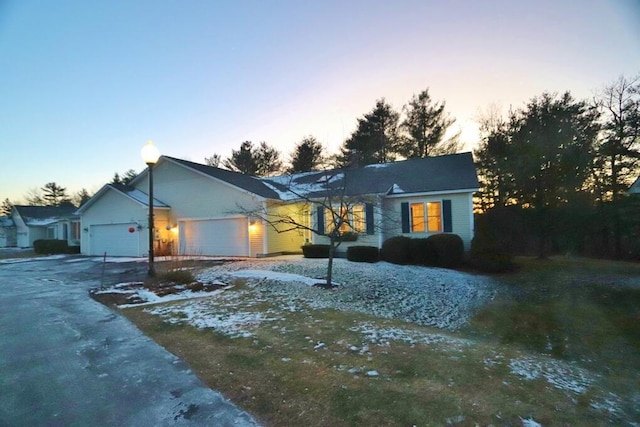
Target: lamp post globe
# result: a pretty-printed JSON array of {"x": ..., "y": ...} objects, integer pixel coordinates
[{"x": 150, "y": 155}]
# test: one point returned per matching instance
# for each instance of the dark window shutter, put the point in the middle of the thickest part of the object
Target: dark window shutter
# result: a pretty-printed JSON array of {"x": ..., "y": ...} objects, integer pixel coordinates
[
  {"x": 368, "y": 214},
  {"x": 446, "y": 216},
  {"x": 404, "y": 210},
  {"x": 320, "y": 219}
]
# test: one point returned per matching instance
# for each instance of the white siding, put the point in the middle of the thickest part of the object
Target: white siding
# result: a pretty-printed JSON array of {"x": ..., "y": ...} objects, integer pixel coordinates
[{"x": 461, "y": 216}]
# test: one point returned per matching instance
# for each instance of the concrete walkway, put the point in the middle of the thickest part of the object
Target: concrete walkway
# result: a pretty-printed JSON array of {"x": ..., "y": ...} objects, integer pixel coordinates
[{"x": 66, "y": 360}]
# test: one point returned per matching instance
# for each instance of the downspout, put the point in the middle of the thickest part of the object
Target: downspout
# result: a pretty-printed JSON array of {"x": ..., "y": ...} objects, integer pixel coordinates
[
  {"x": 265, "y": 243},
  {"x": 378, "y": 221}
]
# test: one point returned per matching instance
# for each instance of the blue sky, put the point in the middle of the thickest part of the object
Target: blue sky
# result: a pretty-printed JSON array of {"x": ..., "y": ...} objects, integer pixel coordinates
[{"x": 84, "y": 84}]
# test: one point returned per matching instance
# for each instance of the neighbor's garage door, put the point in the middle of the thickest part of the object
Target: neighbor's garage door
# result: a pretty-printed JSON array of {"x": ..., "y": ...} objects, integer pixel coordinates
[
  {"x": 214, "y": 237},
  {"x": 114, "y": 239}
]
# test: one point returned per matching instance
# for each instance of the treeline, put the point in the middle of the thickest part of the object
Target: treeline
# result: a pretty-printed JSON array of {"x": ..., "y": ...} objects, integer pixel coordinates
[
  {"x": 382, "y": 135},
  {"x": 555, "y": 173}
]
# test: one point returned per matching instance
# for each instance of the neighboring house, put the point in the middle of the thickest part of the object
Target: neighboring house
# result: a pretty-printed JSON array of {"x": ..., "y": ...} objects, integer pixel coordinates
[
  {"x": 7, "y": 232},
  {"x": 203, "y": 210},
  {"x": 635, "y": 187},
  {"x": 45, "y": 222}
]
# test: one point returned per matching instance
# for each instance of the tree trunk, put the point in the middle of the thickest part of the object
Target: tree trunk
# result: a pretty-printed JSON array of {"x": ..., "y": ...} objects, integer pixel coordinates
[{"x": 330, "y": 261}]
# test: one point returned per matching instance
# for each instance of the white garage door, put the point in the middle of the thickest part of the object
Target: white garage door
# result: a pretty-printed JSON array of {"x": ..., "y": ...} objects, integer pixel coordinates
[
  {"x": 214, "y": 237},
  {"x": 114, "y": 239}
]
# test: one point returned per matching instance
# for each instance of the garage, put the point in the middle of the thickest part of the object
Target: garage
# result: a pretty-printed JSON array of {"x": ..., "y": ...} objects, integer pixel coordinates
[
  {"x": 224, "y": 237},
  {"x": 114, "y": 239}
]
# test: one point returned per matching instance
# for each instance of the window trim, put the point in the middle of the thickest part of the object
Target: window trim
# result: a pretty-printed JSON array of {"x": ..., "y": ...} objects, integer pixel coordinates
[{"x": 425, "y": 216}]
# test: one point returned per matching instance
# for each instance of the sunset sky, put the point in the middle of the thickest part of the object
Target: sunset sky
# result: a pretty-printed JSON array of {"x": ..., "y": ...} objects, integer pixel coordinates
[{"x": 84, "y": 84}]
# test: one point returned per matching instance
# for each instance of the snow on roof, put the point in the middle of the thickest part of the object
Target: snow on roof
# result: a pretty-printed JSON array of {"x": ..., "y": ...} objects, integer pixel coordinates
[
  {"x": 395, "y": 189},
  {"x": 293, "y": 187}
]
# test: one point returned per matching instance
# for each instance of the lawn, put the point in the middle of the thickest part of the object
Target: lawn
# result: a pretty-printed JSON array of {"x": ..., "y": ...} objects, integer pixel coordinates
[{"x": 555, "y": 343}]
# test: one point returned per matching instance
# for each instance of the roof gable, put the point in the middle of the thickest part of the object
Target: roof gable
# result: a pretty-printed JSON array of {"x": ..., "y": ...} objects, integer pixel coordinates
[
  {"x": 128, "y": 191},
  {"x": 242, "y": 181},
  {"x": 635, "y": 187}
]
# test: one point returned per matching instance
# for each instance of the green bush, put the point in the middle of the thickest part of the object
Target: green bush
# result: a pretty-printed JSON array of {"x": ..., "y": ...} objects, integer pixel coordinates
[
  {"x": 396, "y": 250},
  {"x": 487, "y": 255},
  {"x": 363, "y": 254},
  {"x": 315, "y": 251},
  {"x": 53, "y": 246},
  {"x": 449, "y": 250},
  {"x": 422, "y": 252}
]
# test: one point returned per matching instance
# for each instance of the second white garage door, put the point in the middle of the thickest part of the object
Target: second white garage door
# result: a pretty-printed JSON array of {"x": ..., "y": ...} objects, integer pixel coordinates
[
  {"x": 228, "y": 237},
  {"x": 114, "y": 240}
]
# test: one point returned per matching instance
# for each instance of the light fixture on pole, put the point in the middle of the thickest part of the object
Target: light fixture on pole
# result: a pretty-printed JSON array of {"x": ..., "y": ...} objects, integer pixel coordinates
[{"x": 150, "y": 155}]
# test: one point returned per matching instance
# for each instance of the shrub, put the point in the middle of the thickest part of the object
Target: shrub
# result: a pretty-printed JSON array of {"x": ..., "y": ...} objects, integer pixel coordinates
[
  {"x": 422, "y": 252},
  {"x": 51, "y": 246},
  {"x": 396, "y": 250},
  {"x": 180, "y": 276},
  {"x": 363, "y": 254},
  {"x": 449, "y": 250},
  {"x": 315, "y": 251},
  {"x": 489, "y": 256}
]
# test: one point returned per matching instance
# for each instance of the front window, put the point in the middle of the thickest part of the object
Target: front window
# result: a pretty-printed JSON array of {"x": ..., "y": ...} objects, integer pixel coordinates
[
  {"x": 426, "y": 217},
  {"x": 417, "y": 217},
  {"x": 351, "y": 219}
]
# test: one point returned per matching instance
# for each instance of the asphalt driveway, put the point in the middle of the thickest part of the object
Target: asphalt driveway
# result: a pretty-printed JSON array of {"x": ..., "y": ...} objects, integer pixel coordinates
[{"x": 66, "y": 360}]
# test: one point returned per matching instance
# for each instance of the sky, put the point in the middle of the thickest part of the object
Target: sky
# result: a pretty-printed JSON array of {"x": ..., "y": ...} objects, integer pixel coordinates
[{"x": 85, "y": 84}]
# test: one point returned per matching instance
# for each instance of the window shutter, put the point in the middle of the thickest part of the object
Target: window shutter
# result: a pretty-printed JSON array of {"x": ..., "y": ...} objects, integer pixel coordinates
[
  {"x": 320, "y": 219},
  {"x": 404, "y": 210},
  {"x": 368, "y": 214},
  {"x": 446, "y": 216}
]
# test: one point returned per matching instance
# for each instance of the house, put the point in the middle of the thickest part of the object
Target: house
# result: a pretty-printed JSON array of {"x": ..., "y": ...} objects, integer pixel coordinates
[
  {"x": 7, "y": 232},
  {"x": 203, "y": 210},
  {"x": 45, "y": 222},
  {"x": 635, "y": 187}
]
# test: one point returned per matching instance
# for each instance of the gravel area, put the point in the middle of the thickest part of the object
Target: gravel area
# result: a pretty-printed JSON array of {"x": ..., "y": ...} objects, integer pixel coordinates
[{"x": 426, "y": 296}]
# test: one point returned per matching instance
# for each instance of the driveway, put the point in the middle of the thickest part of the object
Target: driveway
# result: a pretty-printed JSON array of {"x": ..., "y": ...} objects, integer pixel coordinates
[{"x": 66, "y": 360}]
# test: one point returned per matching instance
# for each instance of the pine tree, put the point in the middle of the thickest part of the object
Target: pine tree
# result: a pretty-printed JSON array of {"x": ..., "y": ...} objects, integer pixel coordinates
[
  {"x": 54, "y": 195},
  {"x": 375, "y": 140},
  {"x": 306, "y": 156},
  {"x": 425, "y": 125}
]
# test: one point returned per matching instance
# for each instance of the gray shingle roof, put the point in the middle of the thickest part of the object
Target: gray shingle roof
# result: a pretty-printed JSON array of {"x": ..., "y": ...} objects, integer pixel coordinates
[
  {"x": 431, "y": 174},
  {"x": 44, "y": 212}
]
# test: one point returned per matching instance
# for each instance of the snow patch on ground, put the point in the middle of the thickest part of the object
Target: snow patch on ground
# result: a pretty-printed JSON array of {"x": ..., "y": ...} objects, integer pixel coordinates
[
  {"x": 384, "y": 336},
  {"x": 559, "y": 374},
  {"x": 426, "y": 296}
]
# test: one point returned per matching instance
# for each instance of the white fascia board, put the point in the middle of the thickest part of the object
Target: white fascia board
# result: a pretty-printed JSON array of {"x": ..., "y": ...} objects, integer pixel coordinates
[
  {"x": 242, "y": 190},
  {"x": 430, "y": 193},
  {"x": 212, "y": 218}
]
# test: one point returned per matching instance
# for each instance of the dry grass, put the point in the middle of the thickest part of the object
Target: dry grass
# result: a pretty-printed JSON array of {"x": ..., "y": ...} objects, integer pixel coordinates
[{"x": 284, "y": 378}]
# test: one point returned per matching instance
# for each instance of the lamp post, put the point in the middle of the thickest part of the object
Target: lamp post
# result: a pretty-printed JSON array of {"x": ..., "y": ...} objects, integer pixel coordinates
[{"x": 150, "y": 156}]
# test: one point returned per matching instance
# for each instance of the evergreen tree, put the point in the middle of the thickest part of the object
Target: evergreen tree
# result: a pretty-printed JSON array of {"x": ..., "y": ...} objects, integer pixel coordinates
[
  {"x": 214, "y": 160},
  {"x": 268, "y": 160},
  {"x": 54, "y": 195},
  {"x": 242, "y": 160},
  {"x": 426, "y": 124},
  {"x": 306, "y": 156},
  {"x": 125, "y": 179},
  {"x": 6, "y": 207},
  {"x": 375, "y": 139},
  {"x": 261, "y": 161},
  {"x": 550, "y": 156},
  {"x": 81, "y": 197}
]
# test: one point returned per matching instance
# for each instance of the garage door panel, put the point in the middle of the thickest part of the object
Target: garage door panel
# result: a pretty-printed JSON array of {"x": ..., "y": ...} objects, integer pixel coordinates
[
  {"x": 226, "y": 237},
  {"x": 114, "y": 239}
]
